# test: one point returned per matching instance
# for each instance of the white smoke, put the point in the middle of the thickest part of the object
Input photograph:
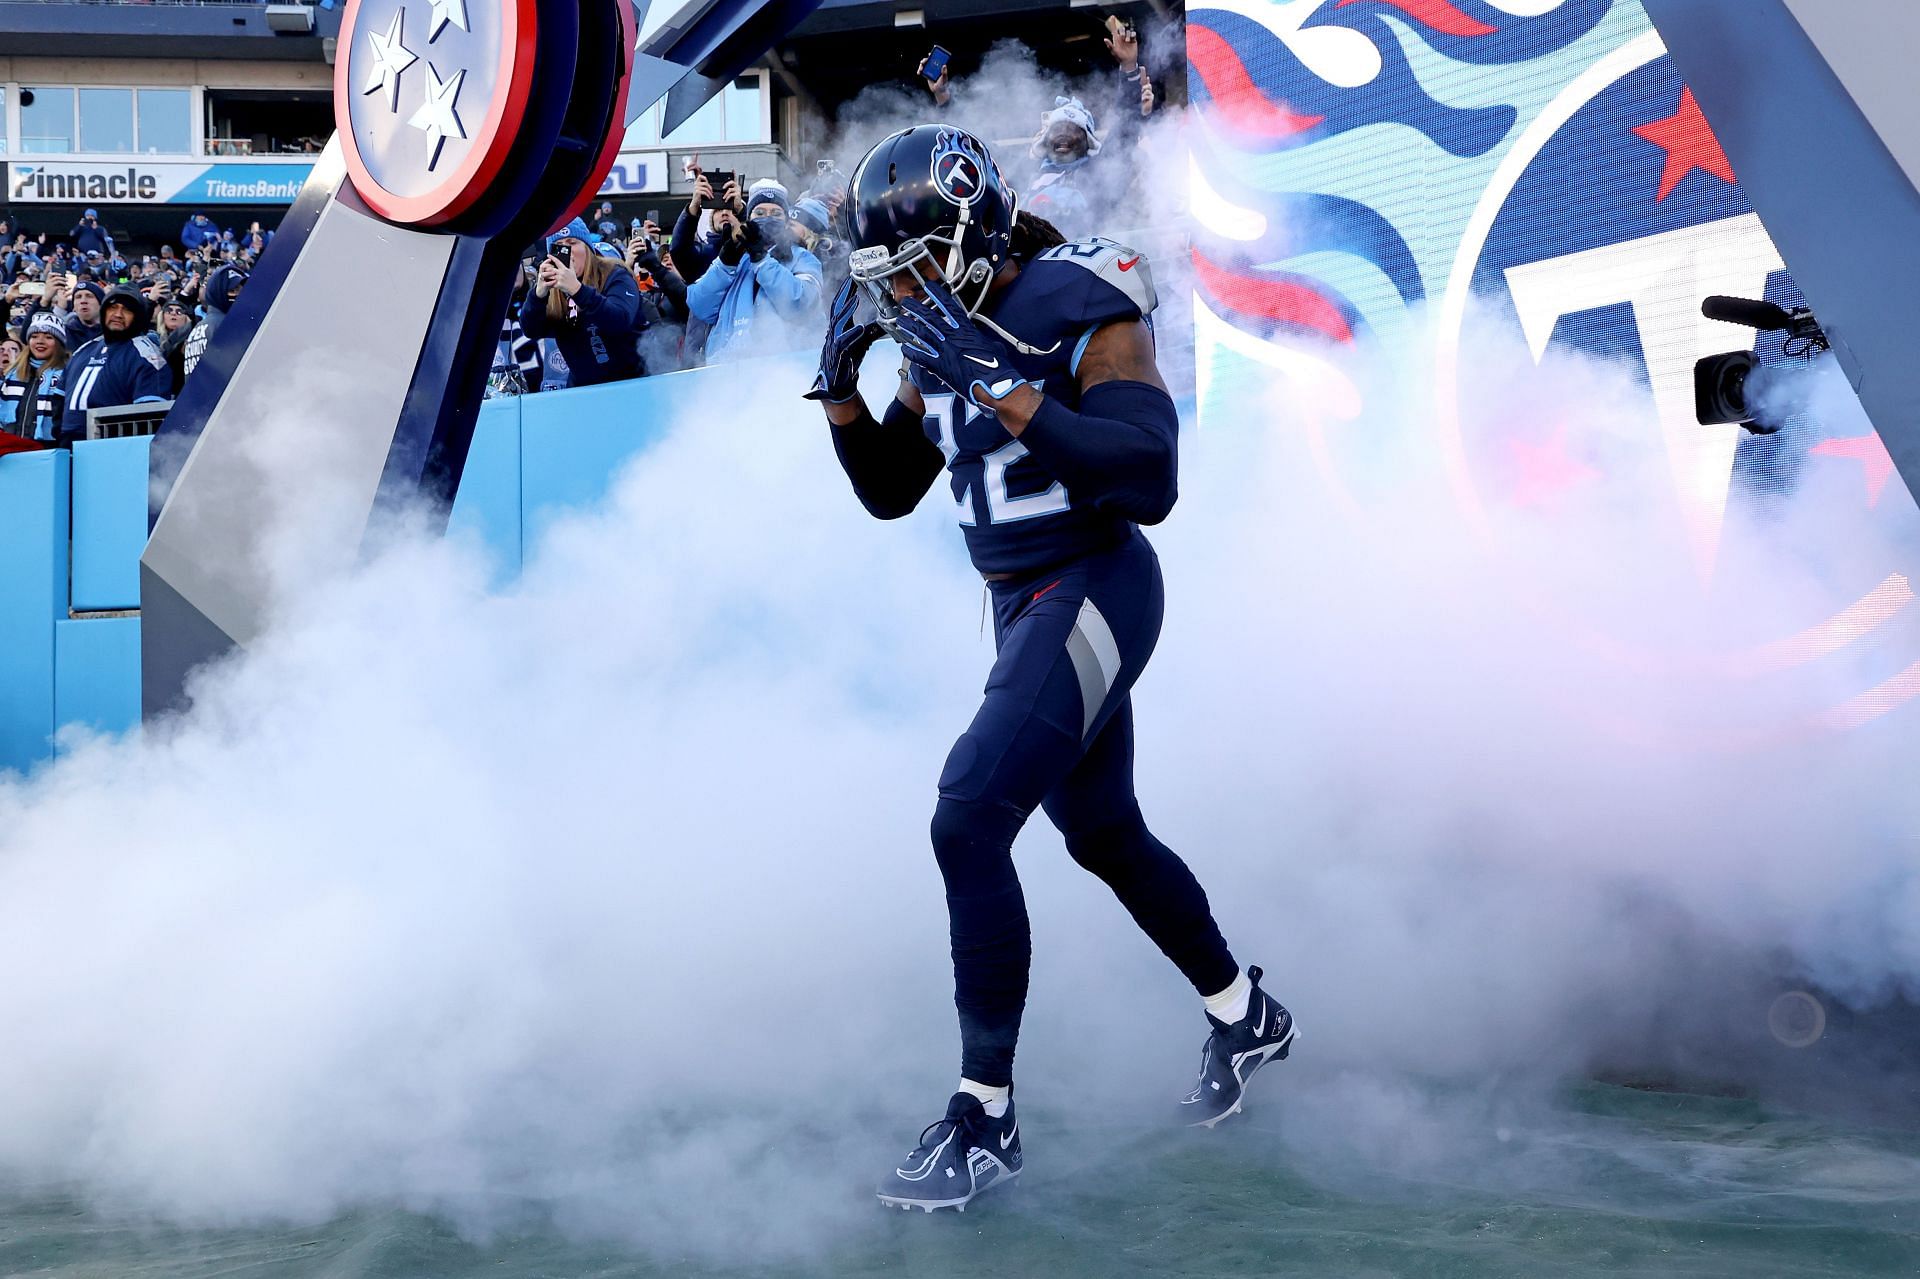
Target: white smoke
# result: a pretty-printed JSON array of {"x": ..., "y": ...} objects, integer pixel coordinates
[{"x": 604, "y": 899}]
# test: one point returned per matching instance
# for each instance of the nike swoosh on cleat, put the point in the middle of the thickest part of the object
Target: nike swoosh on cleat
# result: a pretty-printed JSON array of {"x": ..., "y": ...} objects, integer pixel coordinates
[
  {"x": 1130, "y": 263},
  {"x": 985, "y": 364},
  {"x": 1261, "y": 1029},
  {"x": 1011, "y": 1133}
]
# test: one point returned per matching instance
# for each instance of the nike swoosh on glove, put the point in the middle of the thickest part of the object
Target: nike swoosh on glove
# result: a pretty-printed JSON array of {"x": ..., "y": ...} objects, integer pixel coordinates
[
  {"x": 848, "y": 340},
  {"x": 938, "y": 335}
]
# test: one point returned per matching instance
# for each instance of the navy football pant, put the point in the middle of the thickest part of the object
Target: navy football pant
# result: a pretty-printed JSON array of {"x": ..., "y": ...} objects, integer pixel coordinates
[{"x": 1056, "y": 731}]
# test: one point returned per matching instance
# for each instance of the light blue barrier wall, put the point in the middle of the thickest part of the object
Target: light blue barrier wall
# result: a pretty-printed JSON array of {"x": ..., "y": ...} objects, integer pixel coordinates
[
  {"x": 96, "y": 672},
  {"x": 532, "y": 457},
  {"x": 488, "y": 503},
  {"x": 109, "y": 523},
  {"x": 35, "y": 489}
]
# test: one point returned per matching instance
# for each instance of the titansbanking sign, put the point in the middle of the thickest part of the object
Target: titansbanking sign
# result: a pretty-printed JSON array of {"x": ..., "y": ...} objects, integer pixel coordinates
[{"x": 152, "y": 182}]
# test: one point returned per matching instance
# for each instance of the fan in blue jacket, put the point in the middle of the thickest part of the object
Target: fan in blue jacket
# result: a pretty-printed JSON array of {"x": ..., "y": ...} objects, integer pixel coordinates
[
  {"x": 198, "y": 230},
  {"x": 124, "y": 365},
  {"x": 589, "y": 305},
  {"x": 759, "y": 275}
]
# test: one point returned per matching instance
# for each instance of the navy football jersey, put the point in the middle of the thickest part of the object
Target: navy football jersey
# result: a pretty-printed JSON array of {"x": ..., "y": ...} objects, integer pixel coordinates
[{"x": 1016, "y": 517}]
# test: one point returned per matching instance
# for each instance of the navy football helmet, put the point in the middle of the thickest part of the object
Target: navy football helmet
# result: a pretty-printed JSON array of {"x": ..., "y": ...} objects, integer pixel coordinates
[{"x": 929, "y": 193}]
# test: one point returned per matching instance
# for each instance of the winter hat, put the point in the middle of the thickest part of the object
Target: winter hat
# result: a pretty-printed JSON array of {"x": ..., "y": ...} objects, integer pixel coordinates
[
  {"x": 574, "y": 230},
  {"x": 131, "y": 298},
  {"x": 48, "y": 322},
  {"x": 99, "y": 294},
  {"x": 223, "y": 285},
  {"x": 768, "y": 191},
  {"x": 606, "y": 250},
  {"x": 1066, "y": 111},
  {"x": 813, "y": 215}
]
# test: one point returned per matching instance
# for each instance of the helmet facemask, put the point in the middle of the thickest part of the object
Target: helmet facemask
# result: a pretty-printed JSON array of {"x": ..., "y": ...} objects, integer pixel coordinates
[{"x": 874, "y": 270}]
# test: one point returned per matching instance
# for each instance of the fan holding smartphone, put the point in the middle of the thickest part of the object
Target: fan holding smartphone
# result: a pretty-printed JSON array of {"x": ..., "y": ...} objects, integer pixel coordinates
[{"x": 933, "y": 69}]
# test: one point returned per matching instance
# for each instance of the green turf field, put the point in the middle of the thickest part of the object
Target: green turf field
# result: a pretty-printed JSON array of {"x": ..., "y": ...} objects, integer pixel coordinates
[{"x": 1609, "y": 1182}]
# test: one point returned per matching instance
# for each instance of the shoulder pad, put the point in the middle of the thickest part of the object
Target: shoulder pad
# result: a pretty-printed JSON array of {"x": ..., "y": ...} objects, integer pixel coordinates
[
  {"x": 1113, "y": 281},
  {"x": 149, "y": 348}
]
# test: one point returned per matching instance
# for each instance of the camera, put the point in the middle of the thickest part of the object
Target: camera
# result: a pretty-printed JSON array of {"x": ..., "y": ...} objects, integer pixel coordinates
[{"x": 1735, "y": 387}]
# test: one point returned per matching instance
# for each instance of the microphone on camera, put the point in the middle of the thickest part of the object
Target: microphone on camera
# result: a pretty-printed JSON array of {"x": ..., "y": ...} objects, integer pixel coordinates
[{"x": 1746, "y": 312}]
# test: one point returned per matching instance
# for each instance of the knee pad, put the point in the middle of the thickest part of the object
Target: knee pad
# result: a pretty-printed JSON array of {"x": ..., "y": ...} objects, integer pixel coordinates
[{"x": 973, "y": 842}]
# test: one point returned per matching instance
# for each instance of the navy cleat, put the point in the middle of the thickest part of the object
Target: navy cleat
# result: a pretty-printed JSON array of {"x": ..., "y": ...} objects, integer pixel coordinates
[
  {"x": 1233, "y": 1053},
  {"x": 958, "y": 1157}
]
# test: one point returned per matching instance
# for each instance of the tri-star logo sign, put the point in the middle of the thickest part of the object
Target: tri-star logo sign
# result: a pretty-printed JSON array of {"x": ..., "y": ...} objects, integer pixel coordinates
[{"x": 429, "y": 94}]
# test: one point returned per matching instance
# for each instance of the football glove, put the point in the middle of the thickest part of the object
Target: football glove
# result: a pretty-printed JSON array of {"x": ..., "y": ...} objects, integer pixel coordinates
[
  {"x": 937, "y": 334},
  {"x": 848, "y": 340}
]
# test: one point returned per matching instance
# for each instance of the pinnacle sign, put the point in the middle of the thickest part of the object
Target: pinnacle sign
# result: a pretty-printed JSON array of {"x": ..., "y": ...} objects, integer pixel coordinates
[
  {"x": 190, "y": 182},
  {"x": 61, "y": 182}
]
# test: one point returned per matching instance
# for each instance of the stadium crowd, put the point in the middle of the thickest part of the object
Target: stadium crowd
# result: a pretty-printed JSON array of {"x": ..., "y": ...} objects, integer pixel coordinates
[
  {"x": 742, "y": 269},
  {"x": 89, "y": 326}
]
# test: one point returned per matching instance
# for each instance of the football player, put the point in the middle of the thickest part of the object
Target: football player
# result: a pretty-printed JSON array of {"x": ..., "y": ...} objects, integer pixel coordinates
[{"x": 1029, "y": 378}]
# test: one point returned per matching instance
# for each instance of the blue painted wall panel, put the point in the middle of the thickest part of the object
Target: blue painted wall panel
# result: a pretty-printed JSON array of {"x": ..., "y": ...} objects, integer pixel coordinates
[
  {"x": 532, "y": 457},
  {"x": 34, "y": 496},
  {"x": 109, "y": 522},
  {"x": 573, "y": 442},
  {"x": 488, "y": 503},
  {"x": 96, "y": 674}
]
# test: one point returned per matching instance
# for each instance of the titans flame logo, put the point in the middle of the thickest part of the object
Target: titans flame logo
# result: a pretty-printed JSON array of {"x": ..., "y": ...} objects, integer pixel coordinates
[{"x": 1359, "y": 162}]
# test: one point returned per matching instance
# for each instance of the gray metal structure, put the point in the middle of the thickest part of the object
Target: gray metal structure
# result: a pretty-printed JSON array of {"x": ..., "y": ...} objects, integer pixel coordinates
[
  {"x": 1815, "y": 104},
  {"x": 347, "y": 377}
]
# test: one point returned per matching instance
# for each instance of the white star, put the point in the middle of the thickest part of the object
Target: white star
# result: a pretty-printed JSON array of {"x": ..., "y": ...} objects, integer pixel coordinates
[
  {"x": 436, "y": 113},
  {"x": 390, "y": 59},
  {"x": 445, "y": 11}
]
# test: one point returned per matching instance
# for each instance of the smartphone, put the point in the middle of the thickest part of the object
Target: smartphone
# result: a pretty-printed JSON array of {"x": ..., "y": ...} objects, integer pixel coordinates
[
  {"x": 719, "y": 178},
  {"x": 936, "y": 64},
  {"x": 33, "y": 290},
  {"x": 653, "y": 216}
]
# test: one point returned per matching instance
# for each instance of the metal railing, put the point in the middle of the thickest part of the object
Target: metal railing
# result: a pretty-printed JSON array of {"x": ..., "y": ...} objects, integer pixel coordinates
[
  {"x": 275, "y": 147},
  {"x": 126, "y": 420}
]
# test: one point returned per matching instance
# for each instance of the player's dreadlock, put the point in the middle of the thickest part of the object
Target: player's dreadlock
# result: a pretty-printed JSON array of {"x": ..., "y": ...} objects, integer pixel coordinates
[{"x": 1033, "y": 236}]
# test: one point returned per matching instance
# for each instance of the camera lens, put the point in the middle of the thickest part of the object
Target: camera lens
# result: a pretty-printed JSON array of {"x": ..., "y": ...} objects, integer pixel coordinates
[
  {"x": 1720, "y": 388},
  {"x": 1733, "y": 388}
]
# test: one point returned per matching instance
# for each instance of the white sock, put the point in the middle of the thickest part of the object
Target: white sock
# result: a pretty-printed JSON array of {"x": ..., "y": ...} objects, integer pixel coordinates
[
  {"x": 1230, "y": 1005},
  {"x": 992, "y": 1100}
]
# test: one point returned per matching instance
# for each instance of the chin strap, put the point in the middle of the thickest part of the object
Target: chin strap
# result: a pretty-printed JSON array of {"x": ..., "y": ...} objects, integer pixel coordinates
[{"x": 1016, "y": 343}]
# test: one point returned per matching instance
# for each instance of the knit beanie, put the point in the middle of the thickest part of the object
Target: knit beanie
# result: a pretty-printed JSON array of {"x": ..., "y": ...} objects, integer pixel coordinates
[
  {"x": 49, "y": 323},
  {"x": 768, "y": 191},
  {"x": 813, "y": 215}
]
